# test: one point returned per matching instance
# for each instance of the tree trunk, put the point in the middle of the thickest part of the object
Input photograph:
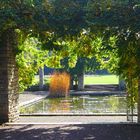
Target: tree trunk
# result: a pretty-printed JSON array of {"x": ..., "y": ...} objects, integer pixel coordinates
[
  {"x": 81, "y": 81},
  {"x": 9, "y": 111},
  {"x": 41, "y": 78},
  {"x": 122, "y": 85},
  {"x": 71, "y": 83},
  {"x": 139, "y": 100}
]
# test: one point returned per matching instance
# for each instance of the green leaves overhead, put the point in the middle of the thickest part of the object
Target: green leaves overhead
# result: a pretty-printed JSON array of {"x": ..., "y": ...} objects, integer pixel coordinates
[
  {"x": 113, "y": 13},
  {"x": 105, "y": 29},
  {"x": 29, "y": 60},
  {"x": 67, "y": 18},
  {"x": 26, "y": 15}
]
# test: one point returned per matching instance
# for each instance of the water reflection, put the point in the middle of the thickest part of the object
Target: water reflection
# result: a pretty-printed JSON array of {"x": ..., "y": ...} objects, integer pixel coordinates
[{"x": 79, "y": 104}]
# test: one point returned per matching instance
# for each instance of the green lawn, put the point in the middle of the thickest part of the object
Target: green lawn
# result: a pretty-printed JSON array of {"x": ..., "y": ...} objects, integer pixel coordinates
[
  {"x": 100, "y": 79},
  {"x": 94, "y": 79}
]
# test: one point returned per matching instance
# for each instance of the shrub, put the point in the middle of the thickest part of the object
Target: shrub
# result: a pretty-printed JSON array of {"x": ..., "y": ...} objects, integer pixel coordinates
[{"x": 59, "y": 84}]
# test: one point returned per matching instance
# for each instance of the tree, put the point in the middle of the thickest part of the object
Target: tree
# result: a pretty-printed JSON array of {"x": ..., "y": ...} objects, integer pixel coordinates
[
  {"x": 29, "y": 61},
  {"x": 16, "y": 15},
  {"x": 41, "y": 78},
  {"x": 57, "y": 27},
  {"x": 121, "y": 16}
]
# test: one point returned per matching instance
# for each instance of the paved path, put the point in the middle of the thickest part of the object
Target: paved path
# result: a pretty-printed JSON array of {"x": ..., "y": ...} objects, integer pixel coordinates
[
  {"x": 30, "y": 97},
  {"x": 102, "y": 87},
  {"x": 71, "y": 132},
  {"x": 73, "y": 119},
  {"x": 68, "y": 127}
]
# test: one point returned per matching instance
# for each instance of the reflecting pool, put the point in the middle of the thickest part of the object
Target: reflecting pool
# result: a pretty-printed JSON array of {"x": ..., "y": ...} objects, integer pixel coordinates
[{"x": 79, "y": 105}]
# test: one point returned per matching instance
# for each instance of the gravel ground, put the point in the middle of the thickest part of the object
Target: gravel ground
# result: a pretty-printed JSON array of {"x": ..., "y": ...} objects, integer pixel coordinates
[{"x": 71, "y": 132}]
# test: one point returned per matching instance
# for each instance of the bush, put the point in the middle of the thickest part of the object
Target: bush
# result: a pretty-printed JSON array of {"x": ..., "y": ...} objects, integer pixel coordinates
[{"x": 59, "y": 84}]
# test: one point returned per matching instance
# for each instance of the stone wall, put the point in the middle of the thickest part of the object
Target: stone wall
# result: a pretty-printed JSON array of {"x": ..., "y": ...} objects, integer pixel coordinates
[{"x": 9, "y": 111}]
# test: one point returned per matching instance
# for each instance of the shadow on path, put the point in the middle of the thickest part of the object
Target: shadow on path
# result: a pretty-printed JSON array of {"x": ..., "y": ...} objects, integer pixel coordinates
[{"x": 71, "y": 132}]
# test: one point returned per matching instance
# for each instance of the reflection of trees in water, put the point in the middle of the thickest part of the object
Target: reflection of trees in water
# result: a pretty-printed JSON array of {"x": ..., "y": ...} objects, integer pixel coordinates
[
  {"x": 59, "y": 105},
  {"x": 110, "y": 104},
  {"x": 107, "y": 104},
  {"x": 77, "y": 104},
  {"x": 64, "y": 105},
  {"x": 116, "y": 104},
  {"x": 54, "y": 105},
  {"x": 35, "y": 108}
]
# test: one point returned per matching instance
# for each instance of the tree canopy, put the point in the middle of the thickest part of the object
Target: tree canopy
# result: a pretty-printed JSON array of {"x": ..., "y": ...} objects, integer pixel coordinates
[{"x": 108, "y": 30}]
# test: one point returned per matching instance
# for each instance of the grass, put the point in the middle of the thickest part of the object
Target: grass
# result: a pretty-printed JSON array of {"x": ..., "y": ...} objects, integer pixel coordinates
[
  {"x": 100, "y": 79},
  {"x": 94, "y": 79}
]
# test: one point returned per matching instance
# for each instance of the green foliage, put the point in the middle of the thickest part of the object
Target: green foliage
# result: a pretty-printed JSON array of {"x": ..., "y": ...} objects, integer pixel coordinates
[
  {"x": 29, "y": 61},
  {"x": 107, "y": 31},
  {"x": 132, "y": 92},
  {"x": 69, "y": 16},
  {"x": 107, "y": 53}
]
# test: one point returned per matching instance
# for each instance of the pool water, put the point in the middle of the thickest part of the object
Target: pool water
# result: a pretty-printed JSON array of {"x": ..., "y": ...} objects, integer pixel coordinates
[{"x": 79, "y": 105}]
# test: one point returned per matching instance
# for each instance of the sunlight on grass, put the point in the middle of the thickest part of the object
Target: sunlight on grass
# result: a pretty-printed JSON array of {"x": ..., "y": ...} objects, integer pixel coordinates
[
  {"x": 93, "y": 79},
  {"x": 100, "y": 79}
]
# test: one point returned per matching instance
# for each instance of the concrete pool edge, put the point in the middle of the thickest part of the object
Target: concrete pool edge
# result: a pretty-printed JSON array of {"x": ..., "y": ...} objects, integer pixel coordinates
[
  {"x": 74, "y": 120},
  {"x": 73, "y": 123},
  {"x": 74, "y": 114}
]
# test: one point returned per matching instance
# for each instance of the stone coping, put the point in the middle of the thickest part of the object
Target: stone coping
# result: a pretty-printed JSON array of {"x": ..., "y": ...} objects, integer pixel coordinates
[
  {"x": 69, "y": 119},
  {"x": 76, "y": 114},
  {"x": 69, "y": 123},
  {"x": 26, "y": 103},
  {"x": 28, "y": 98},
  {"x": 97, "y": 93}
]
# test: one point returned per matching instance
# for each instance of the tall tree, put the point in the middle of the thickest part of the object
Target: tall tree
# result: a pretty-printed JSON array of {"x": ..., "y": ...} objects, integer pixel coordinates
[
  {"x": 48, "y": 21},
  {"x": 118, "y": 18},
  {"x": 27, "y": 16}
]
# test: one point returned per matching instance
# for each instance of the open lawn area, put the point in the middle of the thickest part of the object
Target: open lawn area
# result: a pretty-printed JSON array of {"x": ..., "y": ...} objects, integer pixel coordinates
[
  {"x": 100, "y": 79},
  {"x": 94, "y": 79}
]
